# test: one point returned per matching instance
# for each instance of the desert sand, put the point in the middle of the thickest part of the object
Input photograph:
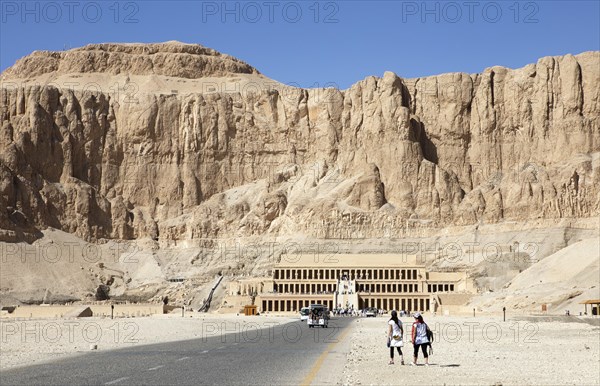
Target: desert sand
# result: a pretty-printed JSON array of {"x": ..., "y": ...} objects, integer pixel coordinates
[{"x": 480, "y": 351}]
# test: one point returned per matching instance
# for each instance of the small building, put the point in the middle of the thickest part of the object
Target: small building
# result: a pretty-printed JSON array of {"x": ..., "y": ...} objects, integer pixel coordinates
[
  {"x": 595, "y": 306},
  {"x": 250, "y": 310}
]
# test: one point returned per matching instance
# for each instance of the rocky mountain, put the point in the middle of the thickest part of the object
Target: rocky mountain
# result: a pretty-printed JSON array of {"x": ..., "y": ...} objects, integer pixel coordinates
[{"x": 179, "y": 142}]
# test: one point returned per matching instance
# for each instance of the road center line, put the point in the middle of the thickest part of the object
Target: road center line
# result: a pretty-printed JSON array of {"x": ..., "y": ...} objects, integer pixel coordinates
[
  {"x": 116, "y": 381},
  {"x": 155, "y": 368},
  {"x": 315, "y": 369},
  {"x": 184, "y": 358}
]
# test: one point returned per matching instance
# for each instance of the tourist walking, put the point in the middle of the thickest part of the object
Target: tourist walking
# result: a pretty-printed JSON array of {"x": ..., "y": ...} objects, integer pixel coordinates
[
  {"x": 395, "y": 332},
  {"x": 419, "y": 338}
]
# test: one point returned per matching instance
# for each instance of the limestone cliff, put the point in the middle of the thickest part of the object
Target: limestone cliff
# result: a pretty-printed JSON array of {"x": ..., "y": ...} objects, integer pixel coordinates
[
  {"x": 183, "y": 161},
  {"x": 170, "y": 59}
]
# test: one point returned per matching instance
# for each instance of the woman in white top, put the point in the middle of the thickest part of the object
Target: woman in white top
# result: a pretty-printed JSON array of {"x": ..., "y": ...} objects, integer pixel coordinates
[{"x": 395, "y": 332}]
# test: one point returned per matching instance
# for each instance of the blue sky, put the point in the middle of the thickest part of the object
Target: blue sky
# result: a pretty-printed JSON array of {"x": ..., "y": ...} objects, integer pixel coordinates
[{"x": 318, "y": 43}]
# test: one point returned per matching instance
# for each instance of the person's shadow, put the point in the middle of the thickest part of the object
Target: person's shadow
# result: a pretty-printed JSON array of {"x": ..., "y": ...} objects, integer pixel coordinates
[{"x": 450, "y": 365}]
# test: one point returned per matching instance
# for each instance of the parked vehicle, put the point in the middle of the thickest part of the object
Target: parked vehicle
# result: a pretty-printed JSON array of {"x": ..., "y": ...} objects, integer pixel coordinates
[
  {"x": 371, "y": 312},
  {"x": 304, "y": 313}
]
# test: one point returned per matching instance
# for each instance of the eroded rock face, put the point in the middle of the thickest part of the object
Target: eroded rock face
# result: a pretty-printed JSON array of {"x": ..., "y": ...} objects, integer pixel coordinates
[
  {"x": 452, "y": 149},
  {"x": 171, "y": 59}
]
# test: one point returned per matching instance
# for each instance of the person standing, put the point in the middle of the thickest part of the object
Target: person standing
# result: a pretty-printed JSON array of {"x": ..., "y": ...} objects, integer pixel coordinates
[
  {"x": 395, "y": 332},
  {"x": 419, "y": 338}
]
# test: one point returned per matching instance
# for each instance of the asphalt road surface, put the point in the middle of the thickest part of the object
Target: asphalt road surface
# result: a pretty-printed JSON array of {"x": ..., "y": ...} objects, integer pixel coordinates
[{"x": 289, "y": 353}]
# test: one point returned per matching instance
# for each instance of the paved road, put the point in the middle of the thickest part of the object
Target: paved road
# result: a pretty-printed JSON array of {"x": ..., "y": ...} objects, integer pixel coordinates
[{"x": 288, "y": 353}]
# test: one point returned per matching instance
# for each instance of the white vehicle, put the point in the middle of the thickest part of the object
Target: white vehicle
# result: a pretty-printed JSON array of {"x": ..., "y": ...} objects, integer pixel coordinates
[
  {"x": 371, "y": 312},
  {"x": 304, "y": 313}
]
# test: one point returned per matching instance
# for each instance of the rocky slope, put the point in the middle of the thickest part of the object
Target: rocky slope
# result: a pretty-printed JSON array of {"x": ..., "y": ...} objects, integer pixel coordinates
[{"x": 387, "y": 156}]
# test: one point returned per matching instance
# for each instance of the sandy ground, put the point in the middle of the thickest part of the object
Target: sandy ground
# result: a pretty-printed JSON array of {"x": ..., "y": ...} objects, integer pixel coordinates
[
  {"x": 482, "y": 350},
  {"x": 489, "y": 352},
  {"x": 28, "y": 342}
]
